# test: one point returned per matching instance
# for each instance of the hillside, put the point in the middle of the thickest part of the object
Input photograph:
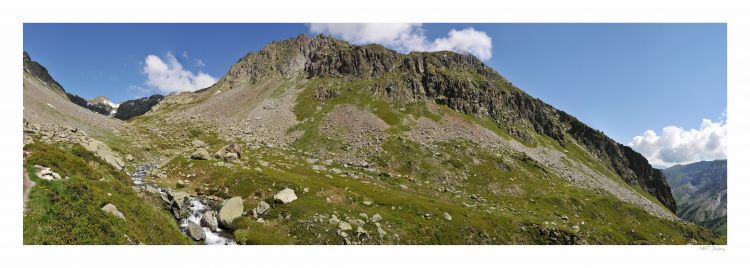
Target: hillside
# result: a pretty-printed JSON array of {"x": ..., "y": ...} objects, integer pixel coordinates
[
  {"x": 313, "y": 140},
  {"x": 700, "y": 189}
]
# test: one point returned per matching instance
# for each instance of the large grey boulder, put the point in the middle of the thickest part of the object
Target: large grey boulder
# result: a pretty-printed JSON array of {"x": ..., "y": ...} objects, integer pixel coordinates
[
  {"x": 231, "y": 210},
  {"x": 209, "y": 220},
  {"x": 195, "y": 231},
  {"x": 200, "y": 154},
  {"x": 285, "y": 196},
  {"x": 102, "y": 151},
  {"x": 112, "y": 209}
]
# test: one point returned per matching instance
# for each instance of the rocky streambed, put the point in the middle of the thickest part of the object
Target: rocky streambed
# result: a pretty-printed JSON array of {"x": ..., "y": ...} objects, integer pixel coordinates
[{"x": 196, "y": 216}]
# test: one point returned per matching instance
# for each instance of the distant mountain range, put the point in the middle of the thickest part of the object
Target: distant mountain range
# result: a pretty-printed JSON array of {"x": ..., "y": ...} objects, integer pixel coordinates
[
  {"x": 700, "y": 190},
  {"x": 101, "y": 104}
]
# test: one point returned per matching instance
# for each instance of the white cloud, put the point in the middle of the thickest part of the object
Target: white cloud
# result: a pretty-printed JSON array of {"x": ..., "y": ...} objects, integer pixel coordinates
[
  {"x": 407, "y": 37},
  {"x": 167, "y": 75},
  {"x": 199, "y": 63},
  {"x": 676, "y": 145}
]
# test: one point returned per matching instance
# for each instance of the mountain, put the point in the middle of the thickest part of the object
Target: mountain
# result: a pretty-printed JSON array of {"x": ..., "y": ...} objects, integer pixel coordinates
[
  {"x": 105, "y": 104},
  {"x": 137, "y": 107},
  {"x": 41, "y": 73},
  {"x": 312, "y": 140},
  {"x": 700, "y": 190}
]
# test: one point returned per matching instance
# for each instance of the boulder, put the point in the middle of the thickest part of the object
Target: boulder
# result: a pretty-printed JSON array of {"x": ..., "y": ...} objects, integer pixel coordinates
[
  {"x": 447, "y": 216},
  {"x": 195, "y": 231},
  {"x": 262, "y": 208},
  {"x": 179, "y": 203},
  {"x": 46, "y": 173},
  {"x": 285, "y": 196},
  {"x": 231, "y": 157},
  {"x": 231, "y": 148},
  {"x": 200, "y": 154},
  {"x": 376, "y": 218},
  {"x": 198, "y": 144},
  {"x": 230, "y": 210},
  {"x": 344, "y": 226},
  {"x": 112, "y": 209},
  {"x": 209, "y": 220},
  {"x": 102, "y": 151}
]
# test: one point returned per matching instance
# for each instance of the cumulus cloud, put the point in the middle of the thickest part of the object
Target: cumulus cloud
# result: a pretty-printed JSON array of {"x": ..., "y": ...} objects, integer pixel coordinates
[
  {"x": 407, "y": 37},
  {"x": 676, "y": 145},
  {"x": 167, "y": 75}
]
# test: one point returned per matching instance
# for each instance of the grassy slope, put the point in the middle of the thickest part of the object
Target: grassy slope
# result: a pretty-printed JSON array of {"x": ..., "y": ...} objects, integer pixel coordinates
[
  {"x": 520, "y": 196},
  {"x": 69, "y": 211}
]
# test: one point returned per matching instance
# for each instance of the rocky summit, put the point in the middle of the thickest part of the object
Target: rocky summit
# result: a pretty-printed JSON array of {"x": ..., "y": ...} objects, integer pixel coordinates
[{"x": 313, "y": 140}]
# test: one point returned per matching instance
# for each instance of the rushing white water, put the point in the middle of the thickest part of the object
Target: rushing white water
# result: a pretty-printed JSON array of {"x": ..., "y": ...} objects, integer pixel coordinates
[{"x": 197, "y": 207}]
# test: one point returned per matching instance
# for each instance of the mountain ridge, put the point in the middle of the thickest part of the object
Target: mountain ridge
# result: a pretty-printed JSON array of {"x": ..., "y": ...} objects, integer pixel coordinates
[{"x": 489, "y": 94}]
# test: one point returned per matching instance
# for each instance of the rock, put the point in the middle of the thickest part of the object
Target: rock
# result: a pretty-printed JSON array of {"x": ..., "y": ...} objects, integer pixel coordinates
[
  {"x": 367, "y": 202},
  {"x": 231, "y": 148},
  {"x": 564, "y": 218},
  {"x": 262, "y": 208},
  {"x": 334, "y": 220},
  {"x": 231, "y": 157},
  {"x": 230, "y": 210},
  {"x": 318, "y": 167},
  {"x": 327, "y": 162},
  {"x": 46, "y": 173},
  {"x": 285, "y": 196},
  {"x": 403, "y": 187},
  {"x": 152, "y": 189},
  {"x": 112, "y": 209},
  {"x": 381, "y": 232},
  {"x": 376, "y": 218},
  {"x": 198, "y": 144},
  {"x": 200, "y": 154},
  {"x": 447, "y": 216},
  {"x": 576, "y": 228},
  {"x": 180, "y": 183},
  {"x": 357, "y": 222},
  {"x": 102, "y": 151},
  {"x": 195, "y": 231},
  {"x": 129, "y": 158},
  {"x": 209, "y": 220},
  {"x": 361, "y": 231},
  {"x": 179, "y": 203},
  {"x": 344, "y": 226}
]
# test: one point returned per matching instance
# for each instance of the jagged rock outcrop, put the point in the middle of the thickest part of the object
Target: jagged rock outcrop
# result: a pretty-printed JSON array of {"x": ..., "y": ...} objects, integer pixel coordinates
[
  {"x": 137, "y": 107},
  {"x": 462, "y": 82}
]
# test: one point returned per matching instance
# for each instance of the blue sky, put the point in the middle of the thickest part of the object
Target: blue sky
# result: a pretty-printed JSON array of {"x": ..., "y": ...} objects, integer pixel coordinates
[{"x": 623, "y": 79}]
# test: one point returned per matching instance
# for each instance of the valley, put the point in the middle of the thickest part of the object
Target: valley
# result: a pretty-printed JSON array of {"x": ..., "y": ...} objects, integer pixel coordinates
[{"x": 313, "y": 140}]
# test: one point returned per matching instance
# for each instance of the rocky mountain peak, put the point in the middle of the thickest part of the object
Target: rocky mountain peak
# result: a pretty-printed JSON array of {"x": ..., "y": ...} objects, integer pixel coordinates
[
  {"x": 459, "y": 81},
  {"x": 103, "y": 100}
]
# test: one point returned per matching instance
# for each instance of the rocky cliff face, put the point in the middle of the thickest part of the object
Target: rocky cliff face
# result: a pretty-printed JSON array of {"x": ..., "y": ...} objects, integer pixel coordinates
[
  {"x": 133, "y": 108},
  {"x": 462, "y": 82}
]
